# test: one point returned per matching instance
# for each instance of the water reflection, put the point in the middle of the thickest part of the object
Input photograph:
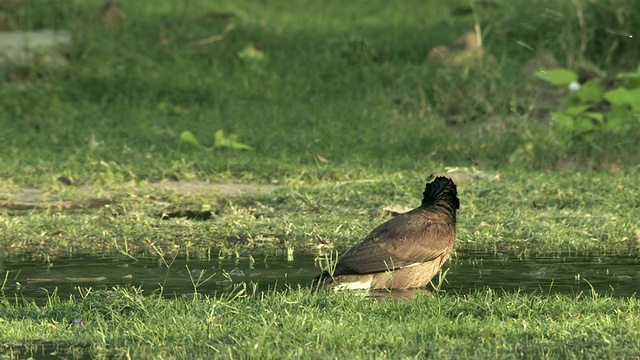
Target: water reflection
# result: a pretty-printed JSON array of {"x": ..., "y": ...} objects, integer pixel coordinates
[
  {"x": 615, "y": 275},
  {"x": 35, "y": 280}
]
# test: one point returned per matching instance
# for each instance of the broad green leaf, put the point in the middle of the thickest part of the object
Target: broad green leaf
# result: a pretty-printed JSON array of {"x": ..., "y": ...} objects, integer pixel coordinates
[
  {"x": 583, "y": 124},
  {"x": 575, "y": 110},
  {"x": 621, "y": 96},
  {"x": 598, "y": 118},
  {"x": 240, "y": 146},
  {"x": 188, "y": 138},
  {"x": 630, "y": 75},
  {"x": 557, "y": 76},
  {"x": 218, "y": 137},
  {"x": 230, "y": 142},
  {"x": 591, "y": 91},
  {"x": 252, "y": 53},
  {"x": 633, "y": 79},
  {"x": 563, "y": 121}
]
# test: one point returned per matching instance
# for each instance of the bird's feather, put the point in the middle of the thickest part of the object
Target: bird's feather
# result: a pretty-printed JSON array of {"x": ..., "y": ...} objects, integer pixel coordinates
[{"x": 407, "y": 239}]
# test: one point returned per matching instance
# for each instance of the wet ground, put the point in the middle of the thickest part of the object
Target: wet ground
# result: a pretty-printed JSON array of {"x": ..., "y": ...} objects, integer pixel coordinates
[{"x": 35, "y": 280}]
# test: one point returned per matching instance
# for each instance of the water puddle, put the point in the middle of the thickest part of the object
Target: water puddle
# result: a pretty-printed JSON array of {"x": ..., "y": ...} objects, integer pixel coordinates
[
  {"x": 46, "y": 350},
  {"x": 36, "y": 280}
]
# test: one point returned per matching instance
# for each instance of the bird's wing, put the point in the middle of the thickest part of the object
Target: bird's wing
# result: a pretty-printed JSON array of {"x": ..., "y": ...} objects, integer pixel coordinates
[{"x": 401, "y": 241}]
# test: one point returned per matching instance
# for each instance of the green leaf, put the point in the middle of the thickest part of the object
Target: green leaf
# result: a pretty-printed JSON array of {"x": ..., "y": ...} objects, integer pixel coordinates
[
  {"x": 591, "y": 91},
  {"x": 188, "y": 138},
  {"x": 630, "y": 75},
  {"x": 229, "y": 142},
  {"x": 252, "y": 52},
  {"x": 632, "y": 78},
  {"x": 583, "y": 124},
  {"x": 557, "y": 76},
  {"x": 596, "y": 117},
  {"x": 563, "y": 122},
  {"x": 575, "y": 110},
  {"x": 621, "y": 96}
]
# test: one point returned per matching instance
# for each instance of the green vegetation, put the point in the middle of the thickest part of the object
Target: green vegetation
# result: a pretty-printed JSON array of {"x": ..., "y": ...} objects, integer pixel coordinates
[
  {"x": 347, "y": 82},
  {"x": 220, "y": 141},
  {"x": 347, "y": 117},
  {"x": 342, "y": 110},
  {"x": 299, "y": 324},
  {"x": 591, "y": 110},
  {"x": 530, "y": 212}
]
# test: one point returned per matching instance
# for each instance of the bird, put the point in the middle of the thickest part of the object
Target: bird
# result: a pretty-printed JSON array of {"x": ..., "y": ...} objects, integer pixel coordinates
[{"x": 405, "y": 252}]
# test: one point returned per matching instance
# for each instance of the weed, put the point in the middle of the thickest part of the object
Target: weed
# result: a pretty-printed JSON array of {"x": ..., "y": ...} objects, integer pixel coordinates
[
  {"x": 589, "y": 109},
  {"x": 201, "y": 280},
  {"x": 220, "y": 141}
]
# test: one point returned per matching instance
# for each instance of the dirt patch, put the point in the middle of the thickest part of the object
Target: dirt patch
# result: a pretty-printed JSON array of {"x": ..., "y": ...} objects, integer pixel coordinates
[
  {"x": 222, "y": 189},
  {"x": 86, "y": 196}
]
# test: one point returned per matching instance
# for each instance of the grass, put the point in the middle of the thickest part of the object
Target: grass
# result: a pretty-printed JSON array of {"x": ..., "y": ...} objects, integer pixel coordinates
[
  {"x": 348, "y": 82},
  {"x": 335, "y": 82},
  {"x": 535, "y": 213},
  {"x": 296, "y": 323}
]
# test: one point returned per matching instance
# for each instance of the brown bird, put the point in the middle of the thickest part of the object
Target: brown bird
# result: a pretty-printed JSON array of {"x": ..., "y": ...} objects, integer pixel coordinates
[{"x": 404, "y": 252}]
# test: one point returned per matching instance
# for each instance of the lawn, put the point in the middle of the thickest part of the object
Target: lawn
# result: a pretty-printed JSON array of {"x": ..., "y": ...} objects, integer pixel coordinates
[
  {"x": 346, "y": 114},
  {"x": 300, "y": 324}
]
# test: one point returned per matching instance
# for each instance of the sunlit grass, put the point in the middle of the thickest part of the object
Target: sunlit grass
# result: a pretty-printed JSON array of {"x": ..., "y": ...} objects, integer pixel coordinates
[
  {"x": 348, "y": 83},
  {"x": 297, "y": 323},
  {"x": 534, "y": 213}
]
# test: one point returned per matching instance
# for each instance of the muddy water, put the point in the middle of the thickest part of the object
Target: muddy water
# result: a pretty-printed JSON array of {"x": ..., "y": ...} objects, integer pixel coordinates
[{"x": 35, "y": 280}]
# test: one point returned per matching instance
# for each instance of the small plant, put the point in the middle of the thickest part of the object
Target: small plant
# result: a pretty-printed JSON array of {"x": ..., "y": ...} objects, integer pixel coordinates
[
  {"x": 442, "y": 278},
  {"x": 219, "y": 141},
  {"x": 4, "y": 282},
  {"x": 327, "y": 263},
  {"x": 199, "y": 281},
  {"x": 588, "y": 109}
]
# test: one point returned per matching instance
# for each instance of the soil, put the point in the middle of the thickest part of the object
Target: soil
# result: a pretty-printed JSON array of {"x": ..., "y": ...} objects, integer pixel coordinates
[{"x": 87, "y": 196}]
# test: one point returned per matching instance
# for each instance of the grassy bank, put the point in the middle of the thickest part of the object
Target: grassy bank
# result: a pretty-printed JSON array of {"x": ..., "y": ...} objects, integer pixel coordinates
[
  {"x": 297, "y": 324},
  {"x": 534, "y": 213},
  {"x": 343, "y": 112}
]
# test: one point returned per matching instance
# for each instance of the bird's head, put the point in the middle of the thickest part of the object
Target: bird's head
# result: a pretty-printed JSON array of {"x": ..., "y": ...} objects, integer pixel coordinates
[{"x": 441, "y": 191}]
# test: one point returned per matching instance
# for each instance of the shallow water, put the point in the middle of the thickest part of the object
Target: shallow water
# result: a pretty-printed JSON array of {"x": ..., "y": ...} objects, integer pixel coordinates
[{"x": 35, "y": 280}]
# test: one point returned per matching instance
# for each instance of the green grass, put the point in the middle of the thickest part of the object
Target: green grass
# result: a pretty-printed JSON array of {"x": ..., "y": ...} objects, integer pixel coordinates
[
  {"x": 535, "y": 213},
  {"x": 346, "y": 81},
  {"x": 299, "y": 324}
]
